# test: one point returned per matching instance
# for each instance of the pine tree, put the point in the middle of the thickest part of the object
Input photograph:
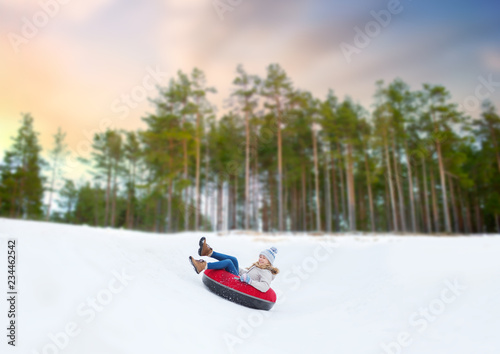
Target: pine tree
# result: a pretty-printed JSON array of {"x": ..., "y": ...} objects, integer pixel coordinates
[
  {"x": 57, "y": 155},
  {"x": 382, "y": 125},
  {"x": 21, "y": 174},
  {"x": 89, "y": 205},
  {"x": 67, "y": 200},
  {"x": 348, "y": 118},
  {"x": 164, "y": 151},
  {"x": 107, "y": 156},
  {"x": 440, "y": 116},
  {"x": 246, "y": 92},
  {"x": 331, "y": 132},
  {"x": 488, "y": 131},
  {"x": 8, "y": 186},
  {"x": 132, "y": 152},
  {"x": 114, "y": 140},
  {"x": 276, "y": 87},
  {"x": 418, "y": 166},
  {"x": 227, "y": 162},
  {"x": 199, "y": 92},
  {"x": 181, "y": 91},
  {"x": 365, "y": 135}
]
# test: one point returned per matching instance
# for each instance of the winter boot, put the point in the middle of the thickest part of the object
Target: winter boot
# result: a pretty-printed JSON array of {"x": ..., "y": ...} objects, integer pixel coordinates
[
  {"x": 205, "y": 249},
  {"x": 198, "y": 265}
]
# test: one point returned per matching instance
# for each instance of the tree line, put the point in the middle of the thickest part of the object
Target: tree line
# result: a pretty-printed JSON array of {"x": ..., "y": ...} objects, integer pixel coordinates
[{"x": 280, "y": 159}]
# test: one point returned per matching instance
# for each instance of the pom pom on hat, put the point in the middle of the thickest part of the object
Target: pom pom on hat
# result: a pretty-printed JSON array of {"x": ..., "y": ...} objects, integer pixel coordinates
[{"x": 270, "y": 254}]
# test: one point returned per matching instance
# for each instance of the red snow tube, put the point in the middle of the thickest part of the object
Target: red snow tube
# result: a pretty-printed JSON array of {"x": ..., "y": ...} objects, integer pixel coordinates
[{"x": 225, "y": 285}]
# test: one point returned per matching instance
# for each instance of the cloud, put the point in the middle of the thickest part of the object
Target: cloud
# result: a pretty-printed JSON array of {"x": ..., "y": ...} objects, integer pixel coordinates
[
  {"x": 491, "y": 59},
  {"x": 72, "y": 10},
  {"x": 96, "y": 50},
  {"x": 81, "y": 11}
]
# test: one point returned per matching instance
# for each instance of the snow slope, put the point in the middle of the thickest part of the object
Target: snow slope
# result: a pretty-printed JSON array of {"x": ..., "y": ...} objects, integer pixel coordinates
[{"x": 92, "y": 290}]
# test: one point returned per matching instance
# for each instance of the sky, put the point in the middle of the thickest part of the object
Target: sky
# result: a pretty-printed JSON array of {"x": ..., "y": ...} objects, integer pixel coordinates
[{"x": 89, "y": 65}]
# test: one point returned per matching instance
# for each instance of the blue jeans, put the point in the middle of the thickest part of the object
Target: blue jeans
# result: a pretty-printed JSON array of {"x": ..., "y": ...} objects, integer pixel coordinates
[{"x": 228, "y": 263}]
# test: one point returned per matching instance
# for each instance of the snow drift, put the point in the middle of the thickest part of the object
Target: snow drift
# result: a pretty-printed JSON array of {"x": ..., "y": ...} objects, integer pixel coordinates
[{"x": 92, "y": 290}]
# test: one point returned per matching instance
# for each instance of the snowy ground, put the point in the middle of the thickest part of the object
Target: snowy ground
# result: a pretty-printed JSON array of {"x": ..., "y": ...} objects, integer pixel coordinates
[{"x": 100, "y": 291}]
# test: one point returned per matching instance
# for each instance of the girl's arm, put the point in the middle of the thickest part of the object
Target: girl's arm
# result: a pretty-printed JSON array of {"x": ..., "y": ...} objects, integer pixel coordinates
[{"x": 265, "y": 282}]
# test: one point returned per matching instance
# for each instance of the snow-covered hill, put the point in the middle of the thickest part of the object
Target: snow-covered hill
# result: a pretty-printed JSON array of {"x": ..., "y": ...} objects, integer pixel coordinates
[{"x": 101, "y": 291}]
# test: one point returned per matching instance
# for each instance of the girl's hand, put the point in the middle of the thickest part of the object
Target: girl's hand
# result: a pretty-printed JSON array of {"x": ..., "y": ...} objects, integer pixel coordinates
[{"x": 245, "y": 278}]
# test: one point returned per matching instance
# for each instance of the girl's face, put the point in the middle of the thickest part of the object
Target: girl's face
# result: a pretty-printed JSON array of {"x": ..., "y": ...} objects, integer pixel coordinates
[{"x": 263, "y": 261}]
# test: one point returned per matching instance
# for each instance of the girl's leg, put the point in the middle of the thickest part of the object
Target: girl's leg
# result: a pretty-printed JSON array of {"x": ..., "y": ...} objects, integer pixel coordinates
[
  {"x": 226, "y": 264},
  {"x": 221, "y": 257}
]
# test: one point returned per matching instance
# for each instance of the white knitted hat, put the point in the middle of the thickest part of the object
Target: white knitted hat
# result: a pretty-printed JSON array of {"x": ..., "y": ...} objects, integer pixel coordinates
[{"x": 270, "y": 254}]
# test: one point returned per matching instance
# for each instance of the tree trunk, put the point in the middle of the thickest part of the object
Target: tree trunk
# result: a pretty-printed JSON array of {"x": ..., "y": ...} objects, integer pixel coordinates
[
  {"x": 132, "y": 206},
  {"x": 229, "y": 204},
  {"x": 185, "y": 191},
  {"x": 21, "y": 205},
  {"x": 280, "y": 170},
  {"x": 387, "y": 204},
  {"x": 362, "y": 207},
  {"x": 295, "y": 207},
  {"x": 96, "y": 203},
  {"x": 51, "y": 191},
  {"x": 285, "y": 202},
  {"x": 247, "y": 171},
  {"x": 251, "y": 191},
  {"x": 131, "y": 185},
  {"x": 460, "y": 206},
  {"x": 208, "y": 193},
  {"x": 68, "y": 211},
  {"x": 391, "y": 188},
  {"x": 343, "y": 184},
  {"x": 369, "y": 186},
  {"x": 350, "y": 189},
  {"x": 219, "y": 202},
  {"x": 185, "y": 188},
  {"x": 468, "y": 209},
  {"x": 108, "y": 190},
  {"x": 198, "y": 161},
  {"x": 13, "y": 201},
  {"x": 235, "y": 202},
  {"x": 316, "y": 181},
  {"x": 335, "y": 194},
  {"x": 169, "y": 207},
  {"x": 265, "y": 215},
  {"x": 176, "y": 212},
  {"x": 207, "y": 215},
  {"x": 479, "y": 222},
  {"x": 113, "y": 205},
  {"x": 419, "y": 208},
  {"x": 446, "y": 210},
  {"x": 127, "y": 213},
  {"x": 453, "y": 206},
  {"x": 310, "y": 192},
  {"x": 464, "y": 211},
  {"x": 443, "y": 189},
  {"x": 214, "y": 205},
  {"x": 328, "y": 198},
  {"x": 397, "y": 174},
  {"x": 257, "y": 189},
  {"x": 304, "y": 200},
  {"x": 272, "y": 201},
  {"x": 435, "y": 210},
  {"x": 157, "y": 215},
  {"x": 410, "y": 190},
  {"x": 426, "y": 198}
]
